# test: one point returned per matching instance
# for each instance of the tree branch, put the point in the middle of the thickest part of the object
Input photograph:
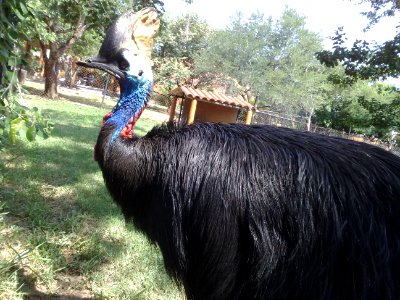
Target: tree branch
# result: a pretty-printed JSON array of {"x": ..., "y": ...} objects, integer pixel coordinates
[
  {"x": 63, "y": 31},
  {"x": 43, "y": 48},
  {"x": 80, "y": 28},
  {"x": 49, "y": 23}
]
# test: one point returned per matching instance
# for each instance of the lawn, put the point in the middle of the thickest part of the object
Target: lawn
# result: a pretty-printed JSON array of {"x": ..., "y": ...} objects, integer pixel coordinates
[{"x": 61, "y": 236}]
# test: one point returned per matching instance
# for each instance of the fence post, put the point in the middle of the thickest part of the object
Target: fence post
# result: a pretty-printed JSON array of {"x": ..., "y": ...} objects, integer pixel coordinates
[
  {"x": 249, "y": 115},
  {"x": 192, "y": 111},
  {"x": 173, "y": 108},
  {"x": 105, "y": 90}
]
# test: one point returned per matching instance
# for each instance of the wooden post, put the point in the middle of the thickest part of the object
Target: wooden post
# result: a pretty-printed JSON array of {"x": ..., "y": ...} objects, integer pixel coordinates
[
  {"x": 249, "y": 114},
  {"x": 172, "y": 109},
  {"x": 42, "y": 73},
  {"x": 192, "y": 111}
]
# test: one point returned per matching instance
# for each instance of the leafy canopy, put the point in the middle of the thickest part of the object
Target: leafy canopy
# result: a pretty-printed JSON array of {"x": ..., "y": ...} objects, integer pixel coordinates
[
  {"x": 363, "y": 60},
  {"x": 178, "y": 42},
  {"x": 371, "y": 110},
  {"x": 273, "y": 60}
]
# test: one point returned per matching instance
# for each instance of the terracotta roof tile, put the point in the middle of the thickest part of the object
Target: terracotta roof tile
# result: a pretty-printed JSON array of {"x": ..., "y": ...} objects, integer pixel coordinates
[{"x": 217, "y": 98}]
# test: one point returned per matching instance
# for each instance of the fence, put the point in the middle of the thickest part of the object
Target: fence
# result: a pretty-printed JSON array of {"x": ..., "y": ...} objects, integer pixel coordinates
[
  {"x": 300, "y": 123},
  {"x": 104, "y": 83},
  {"x": 73, "y": 78}
]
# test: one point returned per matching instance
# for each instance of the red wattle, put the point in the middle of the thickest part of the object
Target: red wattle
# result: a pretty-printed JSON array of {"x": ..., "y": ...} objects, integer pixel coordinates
[
  {"x": 105, "y": 118},
  {"x": 126, "y": 133}
]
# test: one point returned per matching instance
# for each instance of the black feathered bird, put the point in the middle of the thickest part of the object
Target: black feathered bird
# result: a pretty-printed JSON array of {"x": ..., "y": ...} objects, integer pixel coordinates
[{"x": 249, "y": 212}]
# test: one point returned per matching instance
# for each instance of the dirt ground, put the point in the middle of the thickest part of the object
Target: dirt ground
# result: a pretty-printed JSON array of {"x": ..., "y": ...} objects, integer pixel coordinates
[{"x": 158, "y": 116}]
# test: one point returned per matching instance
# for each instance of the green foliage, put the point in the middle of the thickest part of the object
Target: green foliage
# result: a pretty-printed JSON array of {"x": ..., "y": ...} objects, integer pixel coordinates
[
  {"x": 15, "y": 119},
  {"x": 57, "y": 21},
  {"x": 18, "y": 120},
  {"x": 362, "y": 108},
  {"x": 380, "y": 9},
  {"x": 275, "y": 59},
  {"x": 182, "y": 37},
  {"x": 362, "y": 60},
  {"x": 157, "y": 4},
  {"x": 178, "y": 41},
  {"x": 11, "y": 14},
  {"x": 384, "y": 115},
  {"x": 169, "y": 71},
  {"x": 88, "y": 45}
]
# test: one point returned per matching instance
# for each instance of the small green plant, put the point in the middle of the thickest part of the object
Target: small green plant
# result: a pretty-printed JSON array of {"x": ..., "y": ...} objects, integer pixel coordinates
[
  {"x": 15, "y": 119},
  {"x": 19, "y": 120}
]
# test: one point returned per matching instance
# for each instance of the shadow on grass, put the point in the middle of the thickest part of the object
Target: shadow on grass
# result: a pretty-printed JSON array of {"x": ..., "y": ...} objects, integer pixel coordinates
[
  {"x": 64, "y": 161},
  {"x": 27, "y": 282},
  {"x": 55, "y": 188}
]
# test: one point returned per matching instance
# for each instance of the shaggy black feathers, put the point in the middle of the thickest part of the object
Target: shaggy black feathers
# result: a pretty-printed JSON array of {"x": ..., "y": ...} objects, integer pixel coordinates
[{"x": 257, "y": 212}]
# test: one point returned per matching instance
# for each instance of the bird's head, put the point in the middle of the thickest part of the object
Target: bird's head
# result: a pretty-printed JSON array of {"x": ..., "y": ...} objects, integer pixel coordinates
[
  {"x": 125, "y": 54},
  {"x": 126, "y": 66},
  {"x": 126, "y": 49}
]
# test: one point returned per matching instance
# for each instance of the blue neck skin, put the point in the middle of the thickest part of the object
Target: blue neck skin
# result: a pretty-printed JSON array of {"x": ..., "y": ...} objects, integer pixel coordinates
[{"x": 135, "y": 93}]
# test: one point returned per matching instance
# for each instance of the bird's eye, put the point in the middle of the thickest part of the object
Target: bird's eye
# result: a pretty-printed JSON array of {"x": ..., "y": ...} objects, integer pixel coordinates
[
  {"x": 140, "y": 73},
  {"x": 123, "y": 65}
]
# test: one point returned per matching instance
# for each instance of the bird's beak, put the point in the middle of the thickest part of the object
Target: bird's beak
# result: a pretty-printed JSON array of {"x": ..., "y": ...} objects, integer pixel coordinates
[
  {"x": 97, "y": 63},
  {"x": 133, "y": 31}
]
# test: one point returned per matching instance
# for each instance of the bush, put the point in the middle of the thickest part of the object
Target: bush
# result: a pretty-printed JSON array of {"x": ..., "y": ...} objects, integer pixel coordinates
[{"x": 15, "y": 119}]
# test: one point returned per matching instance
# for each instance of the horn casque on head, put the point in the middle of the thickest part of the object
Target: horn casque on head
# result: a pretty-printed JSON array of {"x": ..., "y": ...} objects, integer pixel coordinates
[{"x": 134, "y": 31}]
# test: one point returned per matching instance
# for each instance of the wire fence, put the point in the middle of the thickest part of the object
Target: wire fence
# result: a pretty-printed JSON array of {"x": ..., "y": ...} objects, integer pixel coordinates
[
  {"x": 300, "y": 123},
  {"x": 97, "y": 79},
  {"x": 107, "y": 84}
]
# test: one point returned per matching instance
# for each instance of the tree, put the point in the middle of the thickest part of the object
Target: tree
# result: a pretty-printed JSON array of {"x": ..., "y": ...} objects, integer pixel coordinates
[
  {"x": 380, "y": 9},
  {"x": 157, "y": 4},
  {"x": 175, "y": 47},
  {"x": 271, "y": 59},
  {"x": 342, "y": 110},
  {"x": 363, "y": 61},
  {"x": 312, "y": 92},
  {"x": 59, "y": 24},
  {"x": 384, "y": 110},
  {"x": 373, "y": 110}
]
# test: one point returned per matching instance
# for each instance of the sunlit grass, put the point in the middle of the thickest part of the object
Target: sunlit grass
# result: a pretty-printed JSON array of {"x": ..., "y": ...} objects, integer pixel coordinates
[{"x": 60, "y": 232}]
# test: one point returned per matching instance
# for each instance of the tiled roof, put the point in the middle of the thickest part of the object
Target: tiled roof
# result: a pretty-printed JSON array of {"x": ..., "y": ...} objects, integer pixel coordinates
[{"x": 217, "y": 98}]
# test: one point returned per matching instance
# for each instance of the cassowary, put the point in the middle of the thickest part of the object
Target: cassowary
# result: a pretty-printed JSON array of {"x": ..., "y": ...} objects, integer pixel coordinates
[{"x": 248, "y": 212}]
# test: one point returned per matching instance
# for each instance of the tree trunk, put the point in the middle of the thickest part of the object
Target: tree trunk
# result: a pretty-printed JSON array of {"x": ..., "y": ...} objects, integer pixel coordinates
[
  {"x": 187, "y": 28},
  {"x": 309, "y": 122},
  {"x": 56, "y": 51},
  {"x": 309, "y": 117},
  {"x": 51, "y": 71},
  {"x": 1, "y": 76}
]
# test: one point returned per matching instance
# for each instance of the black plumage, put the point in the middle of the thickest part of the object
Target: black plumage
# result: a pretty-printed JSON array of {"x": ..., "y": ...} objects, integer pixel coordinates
[
  {"x": 249, "y": 212},
  {"x": 262, "y": 213}
]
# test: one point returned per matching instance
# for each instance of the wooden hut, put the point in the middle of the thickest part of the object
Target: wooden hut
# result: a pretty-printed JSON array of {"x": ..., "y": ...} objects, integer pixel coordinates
[{"x": 202, "y": 106}]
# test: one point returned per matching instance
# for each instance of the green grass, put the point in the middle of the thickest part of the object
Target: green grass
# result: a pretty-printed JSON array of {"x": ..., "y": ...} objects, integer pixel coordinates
[
  {"x": 83, "y": 96},
  {"x": 60, "y": 233}
]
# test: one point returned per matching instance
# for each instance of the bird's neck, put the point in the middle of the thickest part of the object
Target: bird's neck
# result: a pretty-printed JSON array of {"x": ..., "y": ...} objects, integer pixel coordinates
[
  {"x": 133, "y": 99},
  {"x": 121, "y": 120}
]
